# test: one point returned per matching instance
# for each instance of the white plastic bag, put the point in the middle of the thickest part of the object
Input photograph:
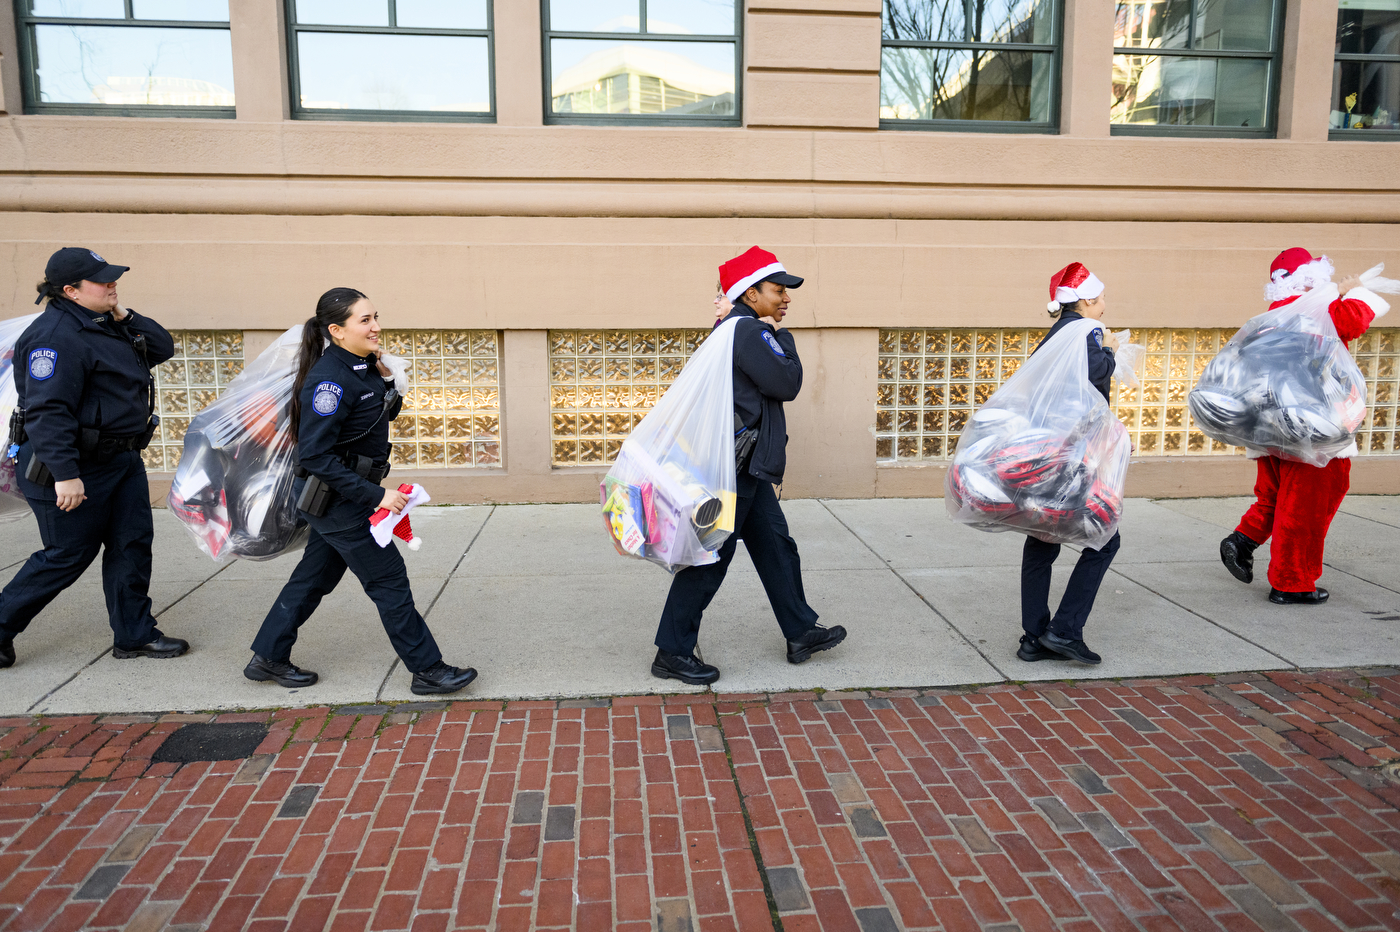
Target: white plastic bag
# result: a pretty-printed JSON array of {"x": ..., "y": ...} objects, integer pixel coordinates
[
  {"x": 1128, "y": 360},
  {"x": 1284, "y": 386},
  {"x": 11, "y": 498},
  {"x": 670, "y": 496},
  {"x": 1045, "y": 455}
]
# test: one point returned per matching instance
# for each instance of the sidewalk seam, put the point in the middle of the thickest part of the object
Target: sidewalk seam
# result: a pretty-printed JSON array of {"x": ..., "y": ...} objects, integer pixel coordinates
[
  {"x": 1333, "y": 566},
  {"x": 773, "y": 915}
]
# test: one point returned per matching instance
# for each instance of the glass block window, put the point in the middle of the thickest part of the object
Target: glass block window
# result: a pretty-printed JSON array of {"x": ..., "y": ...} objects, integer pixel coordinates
[
  {"x": 969, "y": 64},
  {"x": 205, "y": 361},
  {"x": 1366, "y": 72},
  {"x": 930, "y": 382},
  {"x": 602, "y": 382},
  {"x": 452, "y": 411}
]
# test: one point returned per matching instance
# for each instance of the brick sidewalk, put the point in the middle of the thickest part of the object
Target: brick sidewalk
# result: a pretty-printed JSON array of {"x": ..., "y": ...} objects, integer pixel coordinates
[{"x": 1232, "y": 803}]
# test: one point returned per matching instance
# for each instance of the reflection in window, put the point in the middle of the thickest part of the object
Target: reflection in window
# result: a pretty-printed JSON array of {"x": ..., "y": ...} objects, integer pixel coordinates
[
  {"x": 1196, "y": 63},
  {"x": 974, "y": 62},
  {"x": 1366, "y": 76},
  {"x": 407, "y": 59},
  {"x": 153, "y": 57},
  {"x": 672, "y": 59}
]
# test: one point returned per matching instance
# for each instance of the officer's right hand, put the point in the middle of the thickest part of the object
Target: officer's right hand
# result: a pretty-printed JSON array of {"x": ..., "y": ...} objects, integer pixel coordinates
[
  {"x": 1110, "y": 340},
  {"x": 70, "y": 493},
  {"x": 394, "y": 500}
]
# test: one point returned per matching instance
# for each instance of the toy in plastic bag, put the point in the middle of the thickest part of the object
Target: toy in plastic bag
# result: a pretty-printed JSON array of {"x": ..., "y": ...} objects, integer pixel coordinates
[
  {"x": 670, "y": 496},
  {"x": 1045, "y": 455},
  {"x": 233, "y": 488},
  {"x": 1284, "y": 386},
  {"x": 11, "y": 498}
]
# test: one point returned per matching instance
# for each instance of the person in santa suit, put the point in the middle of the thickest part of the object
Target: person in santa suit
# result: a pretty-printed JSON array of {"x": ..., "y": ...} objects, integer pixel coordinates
[{"x": 1295, "y": 502}]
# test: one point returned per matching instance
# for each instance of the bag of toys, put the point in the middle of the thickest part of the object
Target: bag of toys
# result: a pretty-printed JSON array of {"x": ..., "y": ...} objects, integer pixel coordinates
[
  {"x": 670, "y": 496},
  {"x": 1285, "y": 385},
  {"x": 1045, "y": 455},
  {"x": 12, "y": 499}
]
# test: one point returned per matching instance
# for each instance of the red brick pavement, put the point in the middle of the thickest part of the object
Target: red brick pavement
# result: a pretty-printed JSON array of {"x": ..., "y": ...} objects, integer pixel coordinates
[{"x": 1254, "y": 801}]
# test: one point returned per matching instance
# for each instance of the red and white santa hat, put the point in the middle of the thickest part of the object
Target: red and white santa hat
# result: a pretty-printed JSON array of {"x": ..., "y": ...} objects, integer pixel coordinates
[
  {"x": 1072, "y": 283},
  {"x": 1295, "y": 271},
  {"x": 740, "y": 273}
]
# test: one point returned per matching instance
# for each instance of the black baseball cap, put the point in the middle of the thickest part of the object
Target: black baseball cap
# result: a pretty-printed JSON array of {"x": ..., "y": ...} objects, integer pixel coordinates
[{"x": 73, "y": 264}]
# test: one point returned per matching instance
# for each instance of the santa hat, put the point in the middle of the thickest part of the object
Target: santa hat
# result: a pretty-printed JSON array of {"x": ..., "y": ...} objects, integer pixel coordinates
[
  {"x": 738, "y": 274},
  {"x": 1070, "y": 284},
  {"x": 384, "y": 525},
  {"x": 1295, "y": 271}
]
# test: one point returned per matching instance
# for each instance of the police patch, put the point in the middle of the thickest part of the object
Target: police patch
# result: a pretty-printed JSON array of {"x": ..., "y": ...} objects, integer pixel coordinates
[
  {"x": 773, "y": 344},
  {"x": 1098, "y": 337},
  {"x": 326, "y": 400},
  {"x": 42, "y": 363}
]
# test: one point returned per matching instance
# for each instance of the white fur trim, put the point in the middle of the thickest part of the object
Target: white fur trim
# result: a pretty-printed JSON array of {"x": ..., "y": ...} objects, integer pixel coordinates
[
  {"x": 742, "y": 285},
  {"x": 1304, "y": 278},
  {"x": 1375, "y": 302},
  {"x": 1087, "y": 290},
  {"x": 1371, "y": 278}
]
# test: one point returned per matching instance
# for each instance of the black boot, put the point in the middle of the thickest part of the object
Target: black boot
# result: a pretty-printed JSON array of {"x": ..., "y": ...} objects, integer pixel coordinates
[
  {"x": 1237, "y": 553},
  {"x": 282, "y": 672},
  {"x": 160, "y": 648},
  {"x": 684, "y": 668},
  {"x": 815, "y": 639},
  {"x": 1316, "y": 597},
  {"x": 440, "y": 679},
  {"x": 7, "y": 652}
]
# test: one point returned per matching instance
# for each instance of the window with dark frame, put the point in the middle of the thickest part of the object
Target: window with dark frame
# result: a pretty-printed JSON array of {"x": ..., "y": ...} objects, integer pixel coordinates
[
  {"x": 1196, "y": 67},
  {"x": 406, "y": 60},
  {"x": 642, "y": 61},
  {"x": 1366, "y": 73},
  {"x": 970, "y": 65},
  {"x": 168, "y": 58}
]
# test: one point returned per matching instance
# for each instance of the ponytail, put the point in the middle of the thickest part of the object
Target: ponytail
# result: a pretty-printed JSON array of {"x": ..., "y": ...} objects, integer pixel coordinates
[
  {"x": 47, "y": 289},
  {"x": 333, "y": 308}
]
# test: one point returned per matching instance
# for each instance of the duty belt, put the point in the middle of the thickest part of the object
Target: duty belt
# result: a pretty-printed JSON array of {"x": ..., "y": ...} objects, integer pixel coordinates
[{"x": 363, "y": 466}]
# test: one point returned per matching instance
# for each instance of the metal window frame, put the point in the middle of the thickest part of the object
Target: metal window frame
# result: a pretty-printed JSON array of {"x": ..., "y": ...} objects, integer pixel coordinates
[
  {"x": 1274, "y": 57},
  {"x": 1367, "y": 135},
  {"x": 298, "y": 112},
  {"x": 25, "y": 21},
  {"x": 1038, "y": 127},
  {"x": 641, "y": 119}
]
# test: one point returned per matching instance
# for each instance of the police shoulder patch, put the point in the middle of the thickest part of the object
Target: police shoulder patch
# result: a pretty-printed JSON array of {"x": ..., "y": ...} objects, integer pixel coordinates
[
  {"x": 773, "y": 343},
  {"x": 1098, "y": 336},
  {"x": 42, "y": 363},
  {"x": 326, "y": 399}
]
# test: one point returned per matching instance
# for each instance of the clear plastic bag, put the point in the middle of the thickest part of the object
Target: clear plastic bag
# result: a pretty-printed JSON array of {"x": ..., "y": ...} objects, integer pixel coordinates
[
  {"x": 233, "y": 488},
  {"x": 1285, "y": 385},
  {"x": 670, "y": 496},
  {"x": 11, "y": 498},
  {"x": 1045, "y": 455},
  {"x": 1128, "y": 360}
]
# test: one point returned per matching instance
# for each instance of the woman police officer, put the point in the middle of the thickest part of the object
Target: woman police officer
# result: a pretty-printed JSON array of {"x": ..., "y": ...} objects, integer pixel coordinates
[
  {"x": 85, "y": 411},
  {"x": 342, "y": 402}
]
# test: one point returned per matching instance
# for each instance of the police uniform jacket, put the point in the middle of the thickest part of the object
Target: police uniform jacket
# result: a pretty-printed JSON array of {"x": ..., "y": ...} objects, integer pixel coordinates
[
  {"x": 1101, "y": 360},
  {"x": 767, "y": 373},
  {"x": 342, "y": 398},
  {"x": 74, "y": 369}
]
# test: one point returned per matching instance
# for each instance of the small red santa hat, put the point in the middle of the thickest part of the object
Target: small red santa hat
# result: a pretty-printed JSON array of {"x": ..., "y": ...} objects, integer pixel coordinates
[
  {"x": 1072, "y": 283},
  {"x": 754, "y": 266},
  {"x": 1295, "y": 271}
]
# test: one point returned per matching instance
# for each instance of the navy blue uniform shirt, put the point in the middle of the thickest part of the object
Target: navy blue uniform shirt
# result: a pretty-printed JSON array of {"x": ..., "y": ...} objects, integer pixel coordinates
[
  {"x": 767, "y": 373},
  {"x": 343, "y": 397},
  {"x": 76, "y": 368},
  {"x": 1101, "y": 361}
]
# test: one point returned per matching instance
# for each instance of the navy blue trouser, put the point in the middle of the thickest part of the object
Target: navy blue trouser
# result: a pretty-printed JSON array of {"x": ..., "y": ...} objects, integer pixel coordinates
[
  {"x": 1037, "y": 559},
  {"x": 339, "y": 539},
  {"x": 759, "y": 520},
  {"x": 116, "y": 518}
]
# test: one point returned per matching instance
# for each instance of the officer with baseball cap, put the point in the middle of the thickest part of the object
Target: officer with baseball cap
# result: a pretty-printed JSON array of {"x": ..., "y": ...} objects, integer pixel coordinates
[{"x": 86, "y": 411}]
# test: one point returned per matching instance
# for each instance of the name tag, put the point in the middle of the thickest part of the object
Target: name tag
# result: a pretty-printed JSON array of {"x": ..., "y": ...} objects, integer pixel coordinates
[
  {"x": 366, "y": 395},
  {"x": 363, "y": 365}
]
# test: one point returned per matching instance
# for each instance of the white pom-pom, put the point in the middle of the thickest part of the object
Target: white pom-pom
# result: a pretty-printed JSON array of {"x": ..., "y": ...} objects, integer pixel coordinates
[
  {"x": 1053, "y": 306},
  {"x": 416, "y": 543}
]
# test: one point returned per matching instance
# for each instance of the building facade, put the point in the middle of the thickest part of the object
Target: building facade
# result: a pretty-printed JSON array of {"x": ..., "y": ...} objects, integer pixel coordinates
[{"x": 537, "y": 193}]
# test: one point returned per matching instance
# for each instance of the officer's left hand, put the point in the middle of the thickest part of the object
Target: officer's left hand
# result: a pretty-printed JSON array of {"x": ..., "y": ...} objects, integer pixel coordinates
[
  {"x": 70, "y": 493},
  {"x": 383, "y": 369},
  {"x": 120, "y": 313},
  {"x": 1348, "y": 283}
]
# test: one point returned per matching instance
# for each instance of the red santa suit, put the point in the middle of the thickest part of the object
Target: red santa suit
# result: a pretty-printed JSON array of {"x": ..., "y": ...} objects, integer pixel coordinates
[{"x": 1295, "y": 502}]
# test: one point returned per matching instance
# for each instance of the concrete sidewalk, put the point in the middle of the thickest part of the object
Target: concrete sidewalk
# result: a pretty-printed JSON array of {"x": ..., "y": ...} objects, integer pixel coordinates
[{"x": 534, "y": 597}]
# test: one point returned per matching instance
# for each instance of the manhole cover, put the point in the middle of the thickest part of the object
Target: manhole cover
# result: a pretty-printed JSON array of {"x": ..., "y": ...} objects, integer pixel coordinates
[{"x": 212, "y": 741}]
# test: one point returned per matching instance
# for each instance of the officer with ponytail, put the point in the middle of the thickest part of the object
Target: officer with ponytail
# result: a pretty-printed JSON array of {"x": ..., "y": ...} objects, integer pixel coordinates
[
  {"x": 86, "y": 410},
  {"x": 343, "y": 399}
]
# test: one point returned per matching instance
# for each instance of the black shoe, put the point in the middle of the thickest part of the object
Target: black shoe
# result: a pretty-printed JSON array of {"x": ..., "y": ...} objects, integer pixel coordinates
[
  {"x": 1316, "y": 597},
  {"x": 1032, "y": 650},
  {"x": 441, "y": 678},
  {"x": 7, "y": 653},
  {"x": 686, "y": 669},
  {"x": 1074, "y": 650},
  {"x": 282, "y": 672},
  {"x": 818, "y": 638},
  {"x": 160, "y": 648},
  {"x": 1237, "y": 553}
]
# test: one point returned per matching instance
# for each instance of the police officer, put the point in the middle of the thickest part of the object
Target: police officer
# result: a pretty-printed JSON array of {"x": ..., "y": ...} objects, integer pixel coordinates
[
  {"x": 86, "y": 411},
  {"x": 767, "y": 372},
  {"x": 1075, "y": 293},
  {"x": 343, "y": 399}
]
